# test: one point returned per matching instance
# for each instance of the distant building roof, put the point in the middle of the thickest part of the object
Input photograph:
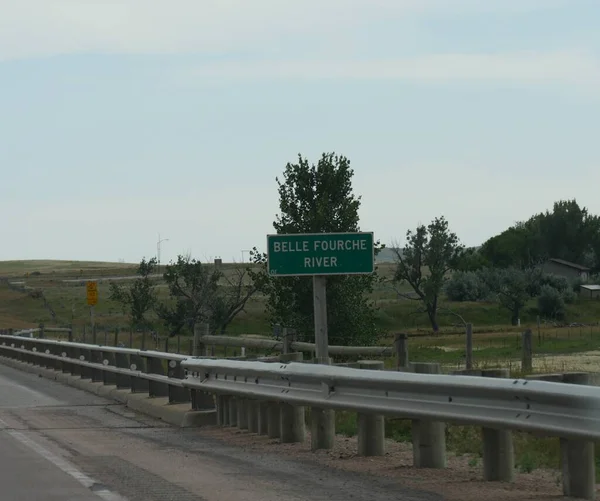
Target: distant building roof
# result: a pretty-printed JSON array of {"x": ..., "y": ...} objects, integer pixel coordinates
[
  {"x": 569, "y": 264},
  {"x": 591, "y": 287}
]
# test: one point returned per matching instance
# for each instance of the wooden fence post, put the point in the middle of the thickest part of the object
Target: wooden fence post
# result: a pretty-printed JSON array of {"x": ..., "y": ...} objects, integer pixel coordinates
[
  {"x": 286, "y": 342},
  {"x": 469, "y": 360},
  {"x": 401, "y": 346},
  {"x": 527, "y": 356},
  {"x": 198, "y": 346}
]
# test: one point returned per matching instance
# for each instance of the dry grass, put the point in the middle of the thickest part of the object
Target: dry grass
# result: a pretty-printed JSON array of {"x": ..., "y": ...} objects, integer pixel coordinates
[{"x": 60, "y": 268}]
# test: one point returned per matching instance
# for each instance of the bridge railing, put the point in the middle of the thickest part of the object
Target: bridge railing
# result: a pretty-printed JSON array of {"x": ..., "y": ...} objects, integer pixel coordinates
[{"x": 271, "y": 399}]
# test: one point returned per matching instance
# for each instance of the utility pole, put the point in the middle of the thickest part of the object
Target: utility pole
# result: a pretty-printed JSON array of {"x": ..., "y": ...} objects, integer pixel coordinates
[
  {"x": 244, "y": 251},
  {"x": 158, "y": 249}
]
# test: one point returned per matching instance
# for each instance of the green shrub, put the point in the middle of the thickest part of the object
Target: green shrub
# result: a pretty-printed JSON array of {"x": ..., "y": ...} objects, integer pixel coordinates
[
  {"x": 561, "y": 284},
  {"x": 569, "y": 296},
  {"x": 466, "y": 286},
  {"x": 551, "y": 303}
]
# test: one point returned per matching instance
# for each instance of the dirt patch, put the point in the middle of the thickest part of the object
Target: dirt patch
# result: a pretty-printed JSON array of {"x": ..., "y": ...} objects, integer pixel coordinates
[
  {"x": 460, "y": 481},
  {"x": 585, "y": 362}
]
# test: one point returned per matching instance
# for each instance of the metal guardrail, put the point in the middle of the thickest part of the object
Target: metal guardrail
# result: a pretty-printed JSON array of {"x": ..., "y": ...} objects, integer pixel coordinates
[
  {"x": 138, "y": 370},
  {"x": 158, "y": 373},
  {"x": 269, "y": 399},
  {"x": 519, "y": 404}
]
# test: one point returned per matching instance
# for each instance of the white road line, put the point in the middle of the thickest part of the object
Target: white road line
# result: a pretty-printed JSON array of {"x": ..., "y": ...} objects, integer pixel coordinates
[{"x": 62, "y": 464}]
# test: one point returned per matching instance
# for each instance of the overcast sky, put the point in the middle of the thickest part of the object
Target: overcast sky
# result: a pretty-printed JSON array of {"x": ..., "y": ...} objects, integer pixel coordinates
[{"x": 120, "y": 119}]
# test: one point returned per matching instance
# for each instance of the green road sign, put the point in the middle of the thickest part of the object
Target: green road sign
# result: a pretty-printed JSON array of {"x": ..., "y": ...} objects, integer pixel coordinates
[{"x": 321, "y": 254}]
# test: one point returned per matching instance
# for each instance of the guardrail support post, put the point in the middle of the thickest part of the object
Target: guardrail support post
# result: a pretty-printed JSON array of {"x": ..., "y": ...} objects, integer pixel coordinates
[
  {"x": 577, "y": 456},
  {"x": 97, "y": 374},
  {"x": 293, "y": 427},
  {"x": 156, "y": 389},
  {"x": 263, "y": 415},
  {"x": 177, "y": 395},
  {"x": 86, "y": 372},
  {"x": 225, "y": 409},
  {"x": 274, "y": 420},
  {"x": 122, "y": 362},
  {"x": 232, "y": 411},
  {"x": 242, "y": 414},
  {"x": 498, "y": 450},
  {"x": 67, "y": 367},
  {"x": 75, "y": 368},
  {"x": 222, "y": 409},
  {"x": 56, "y": 351},
  {"x": 202, "y": 401},
  {"x": 371, "y": 427},
  {"x": 429, "y": 437},
  {"x": 322, "y": 430},
  {"x": 109, "y": 378},
  {"x": 138, "y": 384},
  {"x": 252, "y": 410}
]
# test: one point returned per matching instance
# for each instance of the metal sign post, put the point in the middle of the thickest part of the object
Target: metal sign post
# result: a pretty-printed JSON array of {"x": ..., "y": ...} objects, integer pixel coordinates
[
  {"x": 320, "y": 314},
  {"x": 92, "y": 301}
]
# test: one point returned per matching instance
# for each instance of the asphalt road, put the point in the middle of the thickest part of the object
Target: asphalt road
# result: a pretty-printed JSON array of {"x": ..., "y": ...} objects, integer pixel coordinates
[{"x": 60, "y": 443}]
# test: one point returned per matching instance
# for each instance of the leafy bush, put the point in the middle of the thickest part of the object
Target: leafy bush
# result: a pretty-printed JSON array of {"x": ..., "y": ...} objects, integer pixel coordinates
[
  {"x": 569, "y": 296},
  {"x": 466, "y": 286},
  {"x": 551, "y": 302},
  {"x": 561, "y": 284}
]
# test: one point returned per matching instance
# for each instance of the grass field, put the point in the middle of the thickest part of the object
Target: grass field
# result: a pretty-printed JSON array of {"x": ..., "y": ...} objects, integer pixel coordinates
[{"x": 61, "y": 300}]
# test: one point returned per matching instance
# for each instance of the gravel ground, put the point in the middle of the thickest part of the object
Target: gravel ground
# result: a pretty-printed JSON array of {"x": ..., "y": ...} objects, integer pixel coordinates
[{"x": 459, "y": 482}]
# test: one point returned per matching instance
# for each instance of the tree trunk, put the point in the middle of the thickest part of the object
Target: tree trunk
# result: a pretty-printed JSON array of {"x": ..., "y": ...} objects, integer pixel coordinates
[
  {"x": 432, "y": 314},
  {"x": 515, "y": 317}
]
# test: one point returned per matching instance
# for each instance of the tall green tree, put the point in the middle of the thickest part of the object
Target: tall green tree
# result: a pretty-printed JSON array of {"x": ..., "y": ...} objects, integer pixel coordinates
[
  {"x": 139, "y": 298},
  {"x": 513, "y": 247},
  {"x": 430, "y": 253},
  {"x": 318, "y": 199},
  {"x": 567, "y": 232}
]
